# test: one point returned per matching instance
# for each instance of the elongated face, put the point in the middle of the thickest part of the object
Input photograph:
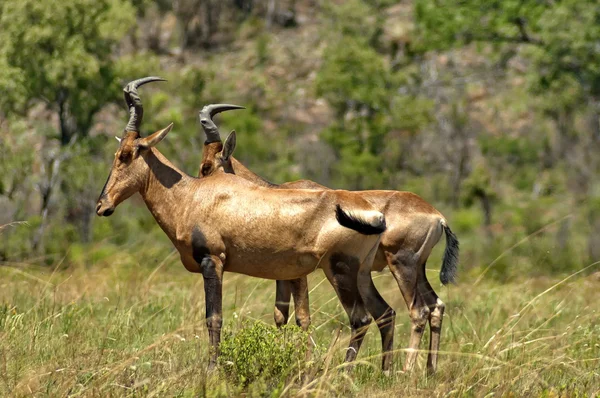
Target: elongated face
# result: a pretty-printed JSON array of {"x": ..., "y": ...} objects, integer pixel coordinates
[
  {"x": 217, "y": 157},
  {"x": 129, "y": 170}
]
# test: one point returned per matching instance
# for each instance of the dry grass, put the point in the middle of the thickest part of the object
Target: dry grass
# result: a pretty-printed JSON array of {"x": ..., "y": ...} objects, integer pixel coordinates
[{"x": 119, "y": 329}]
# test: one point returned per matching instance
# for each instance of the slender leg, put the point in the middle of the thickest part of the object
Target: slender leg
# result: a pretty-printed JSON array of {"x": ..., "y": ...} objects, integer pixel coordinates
[
  {"x": 419, "y": 315},
  {"x": 437, "y": 308},
  {"x": 283, "y": 293},
  {"x": 301, "y": 307},
  {"x": 342, "y": 275},
  {"x": 212, "y": 270},
  {"x": 405, "y": 269},
  {"x": 383, "y": 314},
  {"x": 299, "y": 289}
]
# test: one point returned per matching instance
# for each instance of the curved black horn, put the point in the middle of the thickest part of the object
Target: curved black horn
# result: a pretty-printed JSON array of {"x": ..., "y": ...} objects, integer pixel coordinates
[
  {"x": 210, "y": 128},
  {"x": 136, "y": 111}
]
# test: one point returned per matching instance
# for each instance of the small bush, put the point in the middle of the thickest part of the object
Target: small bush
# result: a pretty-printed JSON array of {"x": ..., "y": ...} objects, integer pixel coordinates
[
  {"x": 467, "y": 220},
  {"x": 260, "y": 352}
]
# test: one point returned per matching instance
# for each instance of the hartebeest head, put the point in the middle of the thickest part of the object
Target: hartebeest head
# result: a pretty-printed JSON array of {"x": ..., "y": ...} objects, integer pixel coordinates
[
  {"x": 217, "y": 159},
  {"x": 129, "y": 167},
  {"x": 213, "y": 144}
]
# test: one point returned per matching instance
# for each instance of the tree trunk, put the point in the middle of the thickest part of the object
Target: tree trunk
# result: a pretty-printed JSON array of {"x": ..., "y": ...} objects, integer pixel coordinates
[
  {"x": 271, "y": 9},
  {"x": 46, "y": 189},
  {"x": 211, "y": 13},
  {"x": 68, "y": 124}
]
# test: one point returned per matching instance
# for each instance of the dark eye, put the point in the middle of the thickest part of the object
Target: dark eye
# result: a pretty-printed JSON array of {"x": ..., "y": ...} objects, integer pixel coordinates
[{"x": 124, "y": 157}]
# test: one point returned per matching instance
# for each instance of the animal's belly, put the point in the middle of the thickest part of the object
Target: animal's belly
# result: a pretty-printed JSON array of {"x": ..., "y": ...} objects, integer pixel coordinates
[{"x": 268, "y": 265}]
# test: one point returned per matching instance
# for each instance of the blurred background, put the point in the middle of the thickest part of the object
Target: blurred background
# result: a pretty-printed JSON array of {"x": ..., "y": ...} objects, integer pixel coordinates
[{"x": 487, "y": 109}]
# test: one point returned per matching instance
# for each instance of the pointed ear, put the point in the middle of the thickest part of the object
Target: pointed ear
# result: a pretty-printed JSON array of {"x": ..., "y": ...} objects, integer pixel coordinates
[
  {"x": 228, "y": 146},
  {"x": 152, "y": 140}
]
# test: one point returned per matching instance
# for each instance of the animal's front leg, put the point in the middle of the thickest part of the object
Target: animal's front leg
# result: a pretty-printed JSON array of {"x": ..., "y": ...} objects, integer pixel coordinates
[
  {"x": 299, "y": 289},
  {"x": 212, "y": 270},
  {"x": 282, "y": 302}
]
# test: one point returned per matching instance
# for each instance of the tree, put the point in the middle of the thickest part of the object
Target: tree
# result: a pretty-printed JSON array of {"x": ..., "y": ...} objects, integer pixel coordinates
[
  {"x": 60, "y": 56},
  {"x": 556, "y": 44},
  {"x": 354, "y": 80},
  {"x": 557, "y": 40}
]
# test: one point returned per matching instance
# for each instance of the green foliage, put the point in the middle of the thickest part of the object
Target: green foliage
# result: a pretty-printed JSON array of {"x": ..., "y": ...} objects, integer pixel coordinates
[
  {"x": 410, "y": 113},
  {"x": 61, "y": 54},
  {"x": 478, "y": 186},
  {"x": 355, "y": 82},
  {"x": 61, "y": 57},
  {"x": 445, "y": 25},
  {"x": 133, "y": 66},
  {"x": 353, "y": 76},
  {"x": 262, "y": 48},
  {"x": 367, "y": 97},
  {"x": 251, "y": 142},
  {"x": 117, "y": 325},
  {"x": 16, "y": 240},
  {"x": 262, "y": 352},
  {"x": 107, "y": 320},
  {"x": 356, "y": 160},
  {"x": 533, "y": 215},
  {"x": 363, "y": 101},
  {"x": 569, "y": 32},
  {"x": 466, "y": 220},
  {"x": 354, "y": 18},
  {"x": 15, "y": 155},
  {"x": 561, "y": 37},
  {"x": 515, "y": 151},
  {"x": 192, "y": 86}
]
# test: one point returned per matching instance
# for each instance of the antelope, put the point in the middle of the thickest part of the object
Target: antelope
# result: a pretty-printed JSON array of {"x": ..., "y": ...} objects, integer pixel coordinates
[
  {"x": 414, "y": 228},
  {"x": 224, "y": 223}
]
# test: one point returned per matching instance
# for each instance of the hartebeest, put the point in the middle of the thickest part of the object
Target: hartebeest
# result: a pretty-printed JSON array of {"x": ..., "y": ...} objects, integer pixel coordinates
[
  {"x": 225, "y": 223},
  {"x": 414, "y": 228}
]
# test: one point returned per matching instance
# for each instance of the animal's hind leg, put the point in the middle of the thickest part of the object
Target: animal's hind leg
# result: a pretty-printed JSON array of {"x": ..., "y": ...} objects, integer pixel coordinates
[
  {"x": 342, "y": 274},
  {"x": 383, "y": 314},
  {"x": 283, "y": 292},
  {"x": 437, "y": 308},
  {"x": 404, "y": 267}
]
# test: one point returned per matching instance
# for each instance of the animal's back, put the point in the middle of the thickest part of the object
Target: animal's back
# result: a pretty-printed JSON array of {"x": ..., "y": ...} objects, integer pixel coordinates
[
  {"x": 414, "y": 225},
  {"x": 410, "y": 219},
  {"x": 262, "y": 228}
]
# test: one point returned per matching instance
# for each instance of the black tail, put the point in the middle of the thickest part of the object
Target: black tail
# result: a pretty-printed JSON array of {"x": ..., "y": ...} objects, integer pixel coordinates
[
  {"x": 359, "y": 225},
  {"x": 450, "y": 260}
]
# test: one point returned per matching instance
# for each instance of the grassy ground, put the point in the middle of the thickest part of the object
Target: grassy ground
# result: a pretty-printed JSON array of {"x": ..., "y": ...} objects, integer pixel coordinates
[{"x": 120, "y": 329}]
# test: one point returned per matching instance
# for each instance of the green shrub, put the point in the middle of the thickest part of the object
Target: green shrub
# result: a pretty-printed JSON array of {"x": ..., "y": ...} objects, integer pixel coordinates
[
  {"x": 535, "y": 214},
  {"x": 467, "y": 220},
  {"x": 262, "y": 353}
]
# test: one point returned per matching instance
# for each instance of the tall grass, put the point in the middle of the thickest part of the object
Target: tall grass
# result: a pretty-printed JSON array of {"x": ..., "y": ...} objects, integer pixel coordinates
[{"x": 118, "y": 328}]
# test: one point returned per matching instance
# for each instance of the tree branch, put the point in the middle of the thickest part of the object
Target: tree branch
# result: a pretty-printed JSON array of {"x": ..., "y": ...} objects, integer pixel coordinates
[{"x": 525, "y": 38}]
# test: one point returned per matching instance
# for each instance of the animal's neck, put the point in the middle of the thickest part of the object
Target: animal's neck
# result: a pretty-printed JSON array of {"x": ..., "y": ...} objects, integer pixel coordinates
[
  {"x": 165, "y": 191},
  {"x": 242, "y": 171}
]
